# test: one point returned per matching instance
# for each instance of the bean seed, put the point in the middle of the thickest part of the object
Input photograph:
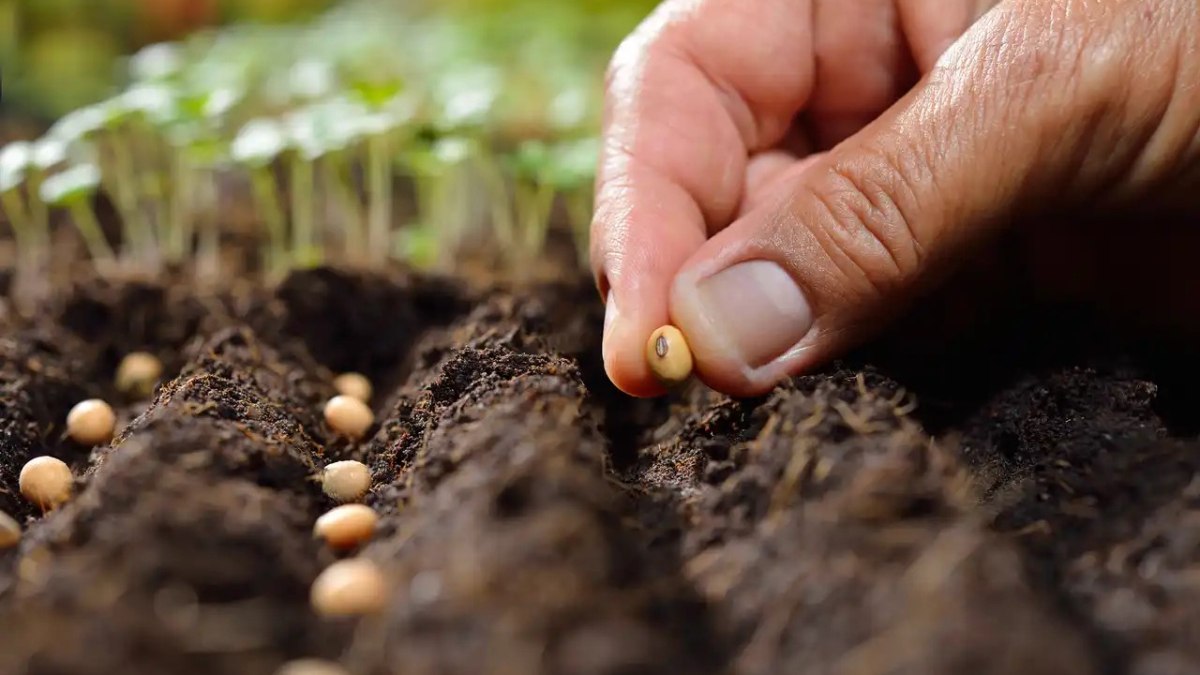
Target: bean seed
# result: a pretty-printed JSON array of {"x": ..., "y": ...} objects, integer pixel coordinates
[
  {"x": 346, "y": 481},
  {"x": 354, "y": 385},
  {"x": 348, "y": 416},
  {"x": 91, "y": 422},
  {"x": 669, "y": 357},
  {"x": 137, "y": 375},
  {"x": 346, "y": 526},
  {"x": 46, "y": 481},
  {"x": 348, "y": 588}
]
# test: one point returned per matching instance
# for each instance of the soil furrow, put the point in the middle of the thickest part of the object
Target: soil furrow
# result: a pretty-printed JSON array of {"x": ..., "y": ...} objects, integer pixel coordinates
[
  {"x": 218, "y": 468},
  {"x": 510, "y": 538}
]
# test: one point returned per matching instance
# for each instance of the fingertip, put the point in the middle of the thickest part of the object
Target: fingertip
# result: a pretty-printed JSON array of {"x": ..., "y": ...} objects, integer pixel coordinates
[{"x": 623, "y": 351}]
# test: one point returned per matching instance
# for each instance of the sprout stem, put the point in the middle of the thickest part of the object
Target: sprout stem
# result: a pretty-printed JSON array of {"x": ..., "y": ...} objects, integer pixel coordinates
[
  {"x": 503, "y": 222},
  {"x": 93, "y": 235},
  {"x": 39, "y": 212},
  {"x": 534, "y": 203},
  {"x": 379, "y": 195},
  {"x": 179, "y": 228},
  {"x": 138, "y": 232},
  {"x": 338, "y": 182},
  {"x": 28, "y": 239},
  {"x": 302, "y": 187},
  {"x": 263, "y": 183},
  {"x": 208, "y": 256}
]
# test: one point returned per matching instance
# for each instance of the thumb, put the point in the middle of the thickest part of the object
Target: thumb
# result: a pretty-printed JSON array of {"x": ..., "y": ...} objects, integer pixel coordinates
[{"x": 1038, "y": 102}]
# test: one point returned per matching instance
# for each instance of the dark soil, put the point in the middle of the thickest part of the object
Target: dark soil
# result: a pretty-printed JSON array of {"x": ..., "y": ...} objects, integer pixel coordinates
[{"x": 1029, "y": 503}]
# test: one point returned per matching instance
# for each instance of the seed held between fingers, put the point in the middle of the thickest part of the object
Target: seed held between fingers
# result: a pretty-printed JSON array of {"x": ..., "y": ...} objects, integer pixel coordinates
[
  {"x": 354, "y": 385},
  {"x": 669, "y": 357},
  {"x": 91, "y": 422},
  {"x": 348, "y": 416},
  {"x": 346, "y": 481},
  {"x": 346, "y": 526},
  {"x": 348, "y": 588},
  {"x": 10, "y": 531},
  {"x": 46, "y": 481}
]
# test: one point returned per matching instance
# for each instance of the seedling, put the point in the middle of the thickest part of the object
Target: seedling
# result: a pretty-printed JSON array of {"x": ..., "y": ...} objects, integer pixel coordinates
[
  {"x": 346, "y": 481},
  {"x": 354, "y": 385},
  {"x": 91, "y": 422},
  {"x": 440, "y": 172},
  {"x": 533, "y": 196},
  {"x": 73, "y": 189},
  {"x": 10, "y": 531},
  {"x": 669, "y": 357},
  {"x": 349, "y": 588},
  {"x": 46, "y": 481},
  {"x": 256, "y": 147},
  {"x": 30, "y": 236},
  {"x": 156, "y": 62},
  {"x": 137, "y": 374},
  {"x": 348, "y": 416},
  {"x": 347, "y": 526}
]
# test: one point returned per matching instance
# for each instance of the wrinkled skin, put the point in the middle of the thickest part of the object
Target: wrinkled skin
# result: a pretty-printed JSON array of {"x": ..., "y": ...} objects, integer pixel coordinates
[{"x": 868, "y": 151}]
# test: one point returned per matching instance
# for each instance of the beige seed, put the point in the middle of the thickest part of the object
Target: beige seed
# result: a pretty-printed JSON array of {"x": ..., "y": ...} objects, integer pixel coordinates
[
  {"x": 669, "y": 357},
  {"x": 346, "y": 526},
  {"x": 10, "y": 531},
  {"x": 46, "y": 481},
  {"x": 346, "y": 481},
  {"x": 311, "y": 667},
  {"x": 354, "y": 385},
  {"x": 348, "y": 416},
  {"x": 137, "y": 375},
  {"x": 348, "y": 588},
  {"x": 91, "y": 422}
]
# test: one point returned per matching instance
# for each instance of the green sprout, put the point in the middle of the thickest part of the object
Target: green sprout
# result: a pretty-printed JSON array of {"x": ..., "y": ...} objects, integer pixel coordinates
[
  {"x": 573, "y": 173},
  {"x": 257, "y": 146},
  {"x": 308, "y": 148},
  {"x": 441, "y": 171},
  {"x": 196, "y": 136},
  {"x": 73, "y": 189},
  {"x": 533, "y": 195},
  {"x": 156, "y": 62},
  {"x": 86, "y": 126},
  {"x": 377, "y": 128},
  {"x": 331, "y": 134},
  {"x": 30, "y": 237}
]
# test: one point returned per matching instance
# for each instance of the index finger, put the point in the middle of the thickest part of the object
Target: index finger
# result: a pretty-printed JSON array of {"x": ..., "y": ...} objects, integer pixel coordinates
[{"x": 696, "y": 89}]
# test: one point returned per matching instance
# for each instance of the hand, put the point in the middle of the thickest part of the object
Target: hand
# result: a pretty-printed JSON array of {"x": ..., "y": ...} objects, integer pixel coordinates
[{"x": 783, "y": 178}]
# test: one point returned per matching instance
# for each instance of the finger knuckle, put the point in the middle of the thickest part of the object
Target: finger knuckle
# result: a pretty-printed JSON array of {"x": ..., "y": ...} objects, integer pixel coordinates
[{"x": 867, "y": 222}]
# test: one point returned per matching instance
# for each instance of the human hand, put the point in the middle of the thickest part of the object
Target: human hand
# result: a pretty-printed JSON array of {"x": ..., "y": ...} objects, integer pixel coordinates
[{"x": 782, "y": 178}]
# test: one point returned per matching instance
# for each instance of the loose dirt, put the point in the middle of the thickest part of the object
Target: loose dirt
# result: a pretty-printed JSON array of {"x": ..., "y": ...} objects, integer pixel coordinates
[{"x": 1013, "y": 505}]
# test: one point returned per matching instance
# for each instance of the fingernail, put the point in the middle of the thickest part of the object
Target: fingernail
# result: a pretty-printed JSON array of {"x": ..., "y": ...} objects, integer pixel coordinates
[{"x": 756, "y": 310}]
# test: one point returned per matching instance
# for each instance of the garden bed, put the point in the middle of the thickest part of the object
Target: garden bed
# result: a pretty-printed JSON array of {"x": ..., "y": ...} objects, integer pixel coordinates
[{"x": 996, "y": 509}]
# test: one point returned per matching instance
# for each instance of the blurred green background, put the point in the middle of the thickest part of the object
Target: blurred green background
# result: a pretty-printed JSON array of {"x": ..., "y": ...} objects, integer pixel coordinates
[{"x": 56, "y": 55}]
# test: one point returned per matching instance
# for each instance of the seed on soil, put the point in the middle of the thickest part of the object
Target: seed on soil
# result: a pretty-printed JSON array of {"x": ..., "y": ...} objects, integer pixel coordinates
[
  {"x": 91, "y": 422},
  {"x": 348, "y": 588},
  {"x": 46, "y": 481},
  {"x": 10, "y": 531},
  {"x": 311, "y": 667},
  {"x": 348, "y": 416},
  {"x": 137, "y": 375},
  {"x": 669, "y": 357},
  {"x": 346, "y": 526},
  {"x": 354, "y": 385},
  {"x": 346, "y": 481}
]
